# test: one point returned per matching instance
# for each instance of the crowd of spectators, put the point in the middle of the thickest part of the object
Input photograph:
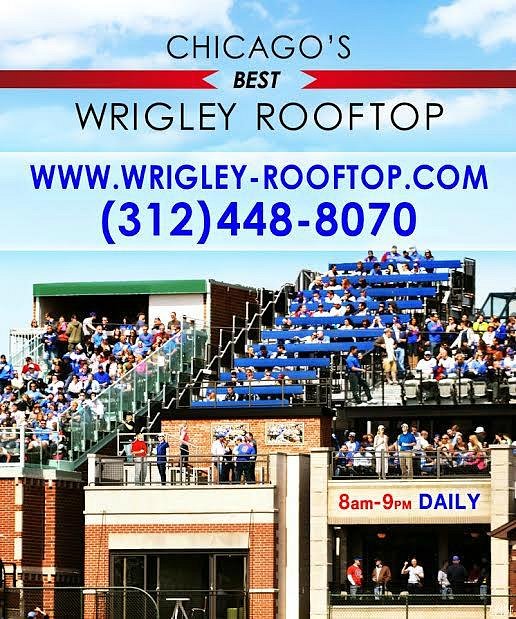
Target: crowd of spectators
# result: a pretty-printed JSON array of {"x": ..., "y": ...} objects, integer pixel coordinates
[
  {"x": 414, "y": 452},
  {"x": 412, "y": 344},
  {"x": 57, "y": 402}
]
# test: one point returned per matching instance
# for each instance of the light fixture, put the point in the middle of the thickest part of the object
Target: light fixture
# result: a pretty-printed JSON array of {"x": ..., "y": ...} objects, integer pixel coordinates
[
  {"x": 381, "y": 535},
  {"x": 475, "y": 534}
]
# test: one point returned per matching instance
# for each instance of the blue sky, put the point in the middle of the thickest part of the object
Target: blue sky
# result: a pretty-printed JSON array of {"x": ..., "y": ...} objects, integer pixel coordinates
[
  {"x": 384, "y": 34},
  {"x": 443, "y": 34}
]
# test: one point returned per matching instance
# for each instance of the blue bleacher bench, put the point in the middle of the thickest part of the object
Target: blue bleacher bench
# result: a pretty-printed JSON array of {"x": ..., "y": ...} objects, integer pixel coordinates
[
  {"x": 278, "y": 334},
  {"x": 395, "y": 278},
  {"x": 293, "y": 374},
  {"x": 374, "y": 293},
  {"x": 317, "y": 347},
  {"x": 337, "y": 320},
  {"x": 430, "y": 264},
  {"x": 410, "y": 304},
  {"x": 264, "y": 389},
  {"x": 245, "y": 362},
  {"x": 240, "y": 404}
]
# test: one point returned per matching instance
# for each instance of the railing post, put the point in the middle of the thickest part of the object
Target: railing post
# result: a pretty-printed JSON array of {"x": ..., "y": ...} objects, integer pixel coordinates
[
  {"x": 260, "y": 312},
  {"x": 246, "y": 327},
  {"x": 233, "y": 331},
  {"x": 438, "y": 451},
  {"x": 22, "y": 445},
  {"x": 92, "y": 459}
]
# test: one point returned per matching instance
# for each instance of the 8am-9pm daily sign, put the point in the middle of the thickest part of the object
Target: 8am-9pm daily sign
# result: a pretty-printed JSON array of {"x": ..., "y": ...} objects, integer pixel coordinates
[{"x": 420, "y": 503}]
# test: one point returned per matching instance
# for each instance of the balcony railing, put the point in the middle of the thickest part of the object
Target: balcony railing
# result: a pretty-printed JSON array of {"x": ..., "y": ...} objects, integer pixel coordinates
[
  {"x": 252, "y": 393},
  {"x": 178, "y": 470},
  {"x": 440, "y": 463},
  {"x": 69, "y": 435}
]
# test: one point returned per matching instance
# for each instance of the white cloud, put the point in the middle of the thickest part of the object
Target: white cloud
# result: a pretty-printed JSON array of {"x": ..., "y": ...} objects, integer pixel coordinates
[
  {"x": 490, "y": 22},
  {"x": 64, "y": 30},
  {"x": 287, "y": 20},
  {"x": 156, "y": 60},
  {"x": 56, "y": 50},
  {"x": 257, "y": 8}
]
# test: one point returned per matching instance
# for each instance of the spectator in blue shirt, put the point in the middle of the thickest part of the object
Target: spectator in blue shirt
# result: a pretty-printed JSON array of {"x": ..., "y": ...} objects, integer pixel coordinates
[
  {"x": 244, "y": 451},
  {"x": 161, "y": 458},
  {"x": 6, "y": 372},
  {"x": 435, "y": 329},
  {"x": 102, "y": 377},
  {"x": 49, "y": 340},
  {"x": 356, "y": 381},
  {"x": 146, "y": 338},
  {"x": 405, "y": 443}
]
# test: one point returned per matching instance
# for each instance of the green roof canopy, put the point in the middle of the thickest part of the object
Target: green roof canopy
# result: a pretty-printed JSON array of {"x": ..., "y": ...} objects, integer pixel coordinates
[{"x": 170, "y": 286}]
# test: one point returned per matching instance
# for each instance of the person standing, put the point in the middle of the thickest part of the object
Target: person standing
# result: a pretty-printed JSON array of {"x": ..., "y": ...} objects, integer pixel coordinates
[
  {"x": 387, "y": 343},
  {"x": 381, "y": 577},
  {"x": 184, "y": 445},
  {"x": 405, "y": 443},
  {"x": 139, "y": 453},
  {"x": 252, "y": 461},
  {"x": 416, "y": 575},
  {"x": 355, "y": 576},
  {"x": 218, "y": 451},
  {"x": 457, "y": 575},
  {"x": 381, "y": 446},
  {"x": 355, "y": 372},
  {"x": 161, "y": 458},
  {"x": 443, "y": 582}
]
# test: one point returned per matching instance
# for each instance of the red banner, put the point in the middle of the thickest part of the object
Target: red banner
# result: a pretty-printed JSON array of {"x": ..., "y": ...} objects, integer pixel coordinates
[
  {"x": 387, "y": 79},
  {"x": 106, "y": 79}
]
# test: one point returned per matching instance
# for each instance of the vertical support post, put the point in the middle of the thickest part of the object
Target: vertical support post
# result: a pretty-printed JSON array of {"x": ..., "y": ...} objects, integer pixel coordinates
[{"x": 233, "y": 332}]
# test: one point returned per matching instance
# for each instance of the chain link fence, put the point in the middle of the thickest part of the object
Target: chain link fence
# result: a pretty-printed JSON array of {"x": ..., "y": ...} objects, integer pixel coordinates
[{"x": 81, "y": 603}]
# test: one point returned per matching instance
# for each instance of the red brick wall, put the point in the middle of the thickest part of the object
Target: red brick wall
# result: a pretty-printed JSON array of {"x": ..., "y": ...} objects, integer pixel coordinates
[
  {"x": 7, "y": 509},
  {"x": 317, "y": 432},
  {"x": 36, "y": 536},
  {"x": 53, "y": 524},
  {"x": 262, "y": 556}
]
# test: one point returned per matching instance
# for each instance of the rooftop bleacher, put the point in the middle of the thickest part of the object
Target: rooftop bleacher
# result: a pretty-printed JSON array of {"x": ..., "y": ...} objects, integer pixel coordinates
[{"x": 317, "y": 332}]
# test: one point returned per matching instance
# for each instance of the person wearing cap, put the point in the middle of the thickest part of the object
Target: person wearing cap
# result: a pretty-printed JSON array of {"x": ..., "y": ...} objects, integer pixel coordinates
[
  {"x": 352, "y": 444},
  {"x": 405, "y": 444},
  {"x": 381, "y": 577},
  {"x": 356, "y": 381},
  {"x": 425, "y": 371},
  {"x": 161, "y": 457},
  {"x": 355, "y": 577},
  {"x": 457, "y": 575},
  {"x": 434, "y": 330},
  {"x": 481, "y": 435},
  {"x": 320, "y": 311}
]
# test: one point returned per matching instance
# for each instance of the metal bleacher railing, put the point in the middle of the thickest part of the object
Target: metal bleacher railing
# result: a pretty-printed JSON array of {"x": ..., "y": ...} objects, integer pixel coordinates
[
  {"x": 429, "y": 463},
  {"x": 327, "y": 355},
  {"x": 85, "y": 427}
]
